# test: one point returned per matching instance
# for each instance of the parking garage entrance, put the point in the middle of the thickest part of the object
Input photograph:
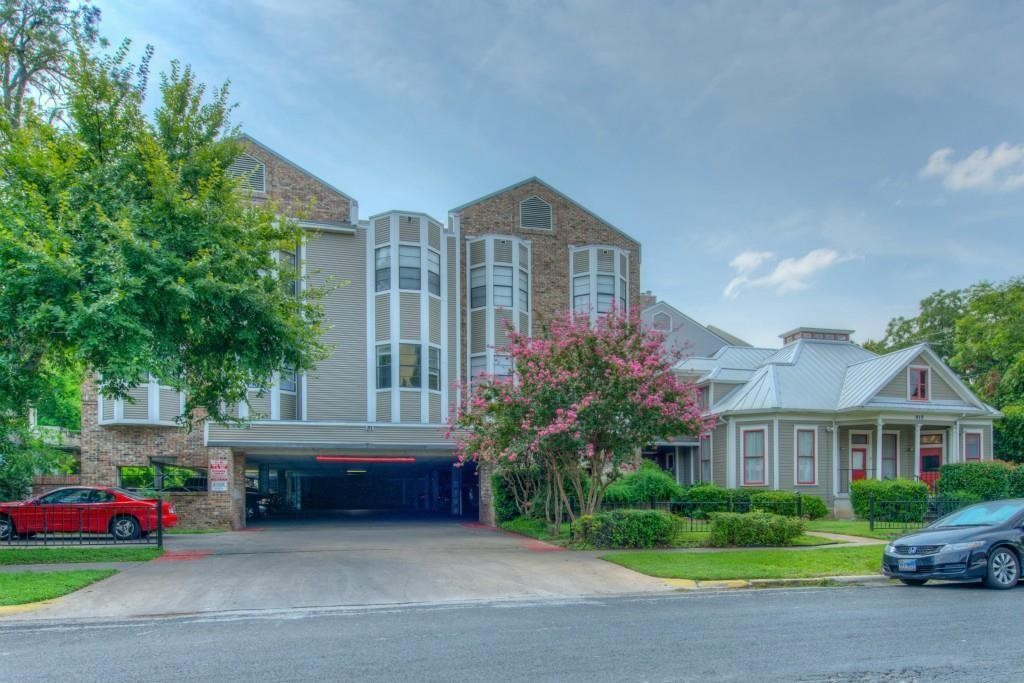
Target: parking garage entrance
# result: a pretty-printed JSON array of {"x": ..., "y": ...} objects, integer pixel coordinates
[{"x": 409, "y": 484}]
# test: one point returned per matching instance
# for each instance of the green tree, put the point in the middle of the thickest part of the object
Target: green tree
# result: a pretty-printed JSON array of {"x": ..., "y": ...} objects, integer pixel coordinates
[
  {"x": 935, "y": 324},
  {"x": 1009, "y": 434},
  {"x": 128, "y": 251},
  {"x": 990, "y": 342}
]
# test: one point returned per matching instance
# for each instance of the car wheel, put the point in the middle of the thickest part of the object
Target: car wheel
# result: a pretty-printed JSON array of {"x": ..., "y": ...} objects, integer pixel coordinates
[
  {"x": 125, "y": 528},
  {"x": 6, "y": 528},
  {"x": 914, "y": 582},
  {"x": 1003, "y": 569}
]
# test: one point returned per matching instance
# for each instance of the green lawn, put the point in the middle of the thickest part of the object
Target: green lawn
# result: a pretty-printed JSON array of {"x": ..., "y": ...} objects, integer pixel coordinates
[
  {"x": 853, "y": 527},
  {"x": 753, "y": 564},
  {"x": 21, "y": 587},
  {"x": 9, "y": 556}
]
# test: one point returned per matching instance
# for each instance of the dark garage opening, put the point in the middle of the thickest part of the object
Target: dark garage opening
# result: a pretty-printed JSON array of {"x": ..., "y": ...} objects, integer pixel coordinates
[{"x": 316, "y": 485}]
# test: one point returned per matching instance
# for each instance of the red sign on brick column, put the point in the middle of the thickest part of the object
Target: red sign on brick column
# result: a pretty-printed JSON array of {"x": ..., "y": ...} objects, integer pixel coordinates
[{"x": 218, "y": 477}]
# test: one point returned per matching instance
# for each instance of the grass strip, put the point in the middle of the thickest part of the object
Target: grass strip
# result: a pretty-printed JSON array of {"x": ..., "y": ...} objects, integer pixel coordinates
[
  {"x": 753, "y": 564},
  {"x": 854, "y": 527},
  {"x": 14, "y": 556},
  {"x": 18, "y": 588}
]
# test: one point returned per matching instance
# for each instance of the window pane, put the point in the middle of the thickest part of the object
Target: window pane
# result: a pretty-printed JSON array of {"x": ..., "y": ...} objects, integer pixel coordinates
[
  {"x": 502, "y": 366},
  {"x": 383, "y": 258},
  {"x": 753, "y": 457},
  {"x": 409, "y": 366},
  {"x": 859, "y": 439},
  {"x": 524, "y": 291},
  {"x": 753, "y": 470},
  {"x": 434, "y": 272},
  {"x": 383, "y": 269},
  {"x": 287, "y": 382},
  {"x": 384, "y": 367},
  {"x": 434, "y": 375},
  {"x": 805, "y": 443},
  {"x": 503, "y": 275},
  {"x": 753, "y": 444},
  {"x": 478, "y": 287},
  {"x": 889, "y": 455},
  {"x": 806, "y": 473},
  {"x": 477, "y": 366},
  {"x": 606, "y": 284},
  {"x": 408, "y": 267},
  {"x": 972, "y": 445},
  {"x": 408, "y": 257},
  {"x": 503, "y": 286},
  {"x": 581, "y": 294}
]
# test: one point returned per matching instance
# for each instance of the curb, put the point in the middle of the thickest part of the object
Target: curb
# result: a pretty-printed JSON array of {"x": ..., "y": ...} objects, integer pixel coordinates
[
  {"x": 6, "y": 610},
  {"x": 733, "y": 584}
]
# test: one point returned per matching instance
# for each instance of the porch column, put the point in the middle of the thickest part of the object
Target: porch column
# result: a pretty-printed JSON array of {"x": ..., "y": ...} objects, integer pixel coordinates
[
  {"x": 878, "y": 450},
  {"x": 730, "y": 454},
  {"x": 917, "y": 450},
  {"x": 954, "y": 446},
  {"x": 835, "y": 459}
]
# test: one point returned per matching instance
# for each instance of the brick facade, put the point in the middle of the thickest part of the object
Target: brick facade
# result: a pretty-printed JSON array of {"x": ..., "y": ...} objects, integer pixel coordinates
[
  {"x": 573, "y": 226},
  {"x": 106, "y": 448}
]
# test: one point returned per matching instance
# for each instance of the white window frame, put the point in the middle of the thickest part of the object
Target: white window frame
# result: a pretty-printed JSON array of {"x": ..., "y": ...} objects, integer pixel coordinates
[
  {"x": 813, "y": 429},
  {"x": 764, "y": 455},
  {"x": 927, "y": 386},
  {"x": 710, "y": 459},
  {"x": 981, "y": 444}
]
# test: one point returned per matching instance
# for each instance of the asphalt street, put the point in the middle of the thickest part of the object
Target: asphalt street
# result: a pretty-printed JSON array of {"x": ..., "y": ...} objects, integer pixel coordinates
[{"x": 890, "y": 634}]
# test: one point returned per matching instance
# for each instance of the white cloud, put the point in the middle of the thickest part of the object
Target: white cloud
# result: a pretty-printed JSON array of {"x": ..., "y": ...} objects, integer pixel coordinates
[
  {"x": 789, "y": 275},
  {"x": 1000, "y": 169}
]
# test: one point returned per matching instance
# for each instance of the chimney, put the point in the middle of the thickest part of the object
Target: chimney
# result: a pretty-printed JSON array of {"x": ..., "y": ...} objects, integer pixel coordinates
[
  {"x": 645, "y": 300},
  {"x": 815, "y": 334}
]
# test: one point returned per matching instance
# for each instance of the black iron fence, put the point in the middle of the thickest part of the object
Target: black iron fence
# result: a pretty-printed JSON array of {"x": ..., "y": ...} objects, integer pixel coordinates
[
  {"x": 907, "y": 515},
  {"x": 695, "y": 516},
  {"x": 33, "y": 524},
  {"x": 848, "y": 476}
]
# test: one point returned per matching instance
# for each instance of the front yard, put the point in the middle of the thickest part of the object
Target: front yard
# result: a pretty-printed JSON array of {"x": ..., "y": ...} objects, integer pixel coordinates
[
  {"x": 854, "y": 527},
  {"x": 753, "y": 564},
  {"x": 18, "y": 588},
  {"x": 61, "y": 555}
]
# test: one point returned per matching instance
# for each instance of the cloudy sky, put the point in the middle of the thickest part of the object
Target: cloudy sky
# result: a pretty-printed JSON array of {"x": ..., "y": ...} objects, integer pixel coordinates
[{"x": 783, "y": 164}]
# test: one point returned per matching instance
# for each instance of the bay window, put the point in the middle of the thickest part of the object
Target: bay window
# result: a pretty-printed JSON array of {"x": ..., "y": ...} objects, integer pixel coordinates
[
  {"x": 408, "y": 267},
  {"x": 503, "y": 286},
  {"x": 434, "y": 272},
  {"x": 605, "y": 293},
  {"x": 478, "y": 287},
  {"x": 382, "y": 262},
  {"x": 410, "y": 364},
  {"x": 581, "y": 294}
]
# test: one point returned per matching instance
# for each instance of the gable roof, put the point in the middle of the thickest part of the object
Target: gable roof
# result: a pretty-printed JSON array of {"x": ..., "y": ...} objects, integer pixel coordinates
[
  {"x": 828, "y": 376},
  {"x": 662, "y": 306},
  {"x": 730, "y": 339},
  {"x": 250, "y": 139},
  {"x": 550, "y": 188}
]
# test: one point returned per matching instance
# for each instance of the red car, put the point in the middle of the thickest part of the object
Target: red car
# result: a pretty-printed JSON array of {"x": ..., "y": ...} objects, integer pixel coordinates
[{"x": 84, "y": 509}]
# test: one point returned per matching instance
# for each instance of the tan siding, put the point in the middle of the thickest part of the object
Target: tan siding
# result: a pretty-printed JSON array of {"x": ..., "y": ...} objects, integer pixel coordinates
[
  {"x": 502, "y": 319},
  {"x": 453, "y": 317},
  {"x": 719, "y": 454},
  {"x": 382, "y": 317},
  {"x": 170, "y": 405},
  {"x": 409, "y": 228},
  {"x": 108, "y": 409},
  {"x": 410, "y": 405},
  {"x": 139, "y": 410},
  {"x": 478, "y": 331},
  {"x": 503, "y": 251},
  {"x": 259, "y": 406},
  {"x": 382, "y": 231},
  {"x": 435, "y": 320},
  {"x": 337, "y": 386},
  {"x": 580, "y": 262},
  {"x": 383, "y": 406},
  {"x": 435, "y": 408},
  {"x": 477, "y": 252},
  {"x": 313, "y": 433},
  {"x": 409, "y": 315},
  {"x": 288, "y": 407},
  {"x": 434, "y": 235}
]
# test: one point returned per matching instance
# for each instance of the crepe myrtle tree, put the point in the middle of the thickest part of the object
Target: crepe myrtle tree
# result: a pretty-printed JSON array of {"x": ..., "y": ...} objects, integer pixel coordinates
[{"x": 583, "y": 399}]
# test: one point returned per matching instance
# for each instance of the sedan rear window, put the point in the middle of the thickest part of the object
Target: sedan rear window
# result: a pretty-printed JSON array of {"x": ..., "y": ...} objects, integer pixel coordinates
[{"x": 985, "y": 514}]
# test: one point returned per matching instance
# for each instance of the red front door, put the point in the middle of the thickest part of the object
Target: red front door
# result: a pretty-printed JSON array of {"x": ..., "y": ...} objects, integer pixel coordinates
[
  {"x": 931, "y": 461},
  {"x": 858, "y": 464}
]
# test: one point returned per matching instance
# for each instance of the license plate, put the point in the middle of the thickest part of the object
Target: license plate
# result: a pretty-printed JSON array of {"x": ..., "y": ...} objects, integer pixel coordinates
[{"x": 908, "y": 565}]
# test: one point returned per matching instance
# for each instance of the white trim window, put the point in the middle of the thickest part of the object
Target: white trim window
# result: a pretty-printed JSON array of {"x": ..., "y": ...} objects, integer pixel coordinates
[
  {"x": 805, "y": 446},
  {"x": 705, "y": 458},
  {"x": 502, "y": 287},
  {"x": 754, "y": 443},
  {"x": 918, "y": 383},
  {"x": 384, "y": 366},
  {"x": 382, "y": 266},
  {"x": 605, "y": 293},
  {"x": 503, "y": 366},
  {"x": 434, "y": 369},
  {"x": 478, "y": 287},
  {"x": 477, "y": 367},
  {"x": 524, "y": 292},
  {"x": 433, "y": 272},
  {"x": 410, "y": 366},
  {"x": 581, "y": 294},
  {"x": 974, "y": 441},
  {"x": 288, "y": 381},
  {"x": 409, "y": 267}
]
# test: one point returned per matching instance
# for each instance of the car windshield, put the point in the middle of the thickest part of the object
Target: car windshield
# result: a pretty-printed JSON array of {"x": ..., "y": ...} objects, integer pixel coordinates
[{"x": 985, "y": 514}]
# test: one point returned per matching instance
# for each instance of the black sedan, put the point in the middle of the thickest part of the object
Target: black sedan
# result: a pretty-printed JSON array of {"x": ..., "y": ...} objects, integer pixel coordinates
[{"x": 983, "y": 541}]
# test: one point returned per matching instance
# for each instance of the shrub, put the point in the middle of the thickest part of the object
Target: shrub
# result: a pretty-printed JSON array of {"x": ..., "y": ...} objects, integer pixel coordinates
[
  {"x": 627, "y": 529},
  {"x": 704, "y": 499},
  {"x": 649, "y": 483},
  {"x": 753, "y": 528},
  {"x": 988, "y": 480},
  {"x": 785, "y": 503},
  {"x": 504, "y": 502},
  {"x": 1016, "y": 482},
  {"x": 954, "y": 500},
  {"x": 896, "y": 500},
  {"x": 1008, "y": 434}
]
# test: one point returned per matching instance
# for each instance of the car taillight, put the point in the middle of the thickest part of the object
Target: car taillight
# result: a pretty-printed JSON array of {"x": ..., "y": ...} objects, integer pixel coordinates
[{"x": 170, "y": 509}]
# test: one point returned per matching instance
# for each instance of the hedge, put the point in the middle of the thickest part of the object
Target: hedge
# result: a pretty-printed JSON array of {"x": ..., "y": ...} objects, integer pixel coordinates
[
  {"x": 648, "y": 483},
  {"x": 785, "y": 503},
  {"x": 627, "y": 529},
  {"x": 505, "y": 507},
  {"x": 912, "y": 496},
  {"x": 753, "y": 528},
  {"x": 987, "y": 480}
]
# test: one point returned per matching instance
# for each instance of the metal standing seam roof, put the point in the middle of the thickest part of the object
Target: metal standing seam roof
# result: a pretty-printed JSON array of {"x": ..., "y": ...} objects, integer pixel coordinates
[
  {"x": 863, "y": 380},
  {"x": 733, "y": 357}
]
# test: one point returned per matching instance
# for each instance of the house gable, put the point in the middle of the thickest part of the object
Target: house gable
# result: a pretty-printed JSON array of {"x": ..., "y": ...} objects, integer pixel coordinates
[{"x": 944, "y": 386}]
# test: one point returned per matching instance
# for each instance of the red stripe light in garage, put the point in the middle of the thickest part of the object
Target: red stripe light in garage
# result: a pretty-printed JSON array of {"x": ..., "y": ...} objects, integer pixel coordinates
[{"x": 365, "y": 459}]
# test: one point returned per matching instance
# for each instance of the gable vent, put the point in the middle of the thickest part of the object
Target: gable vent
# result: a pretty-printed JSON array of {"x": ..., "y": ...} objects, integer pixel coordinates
[
  {"x": 251, "y": 171},
  {"x": 535, "y": 213}
]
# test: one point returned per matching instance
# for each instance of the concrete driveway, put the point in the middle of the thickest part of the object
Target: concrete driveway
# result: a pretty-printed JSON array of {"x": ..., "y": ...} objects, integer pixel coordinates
[{"x": 346, "y": 560}]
